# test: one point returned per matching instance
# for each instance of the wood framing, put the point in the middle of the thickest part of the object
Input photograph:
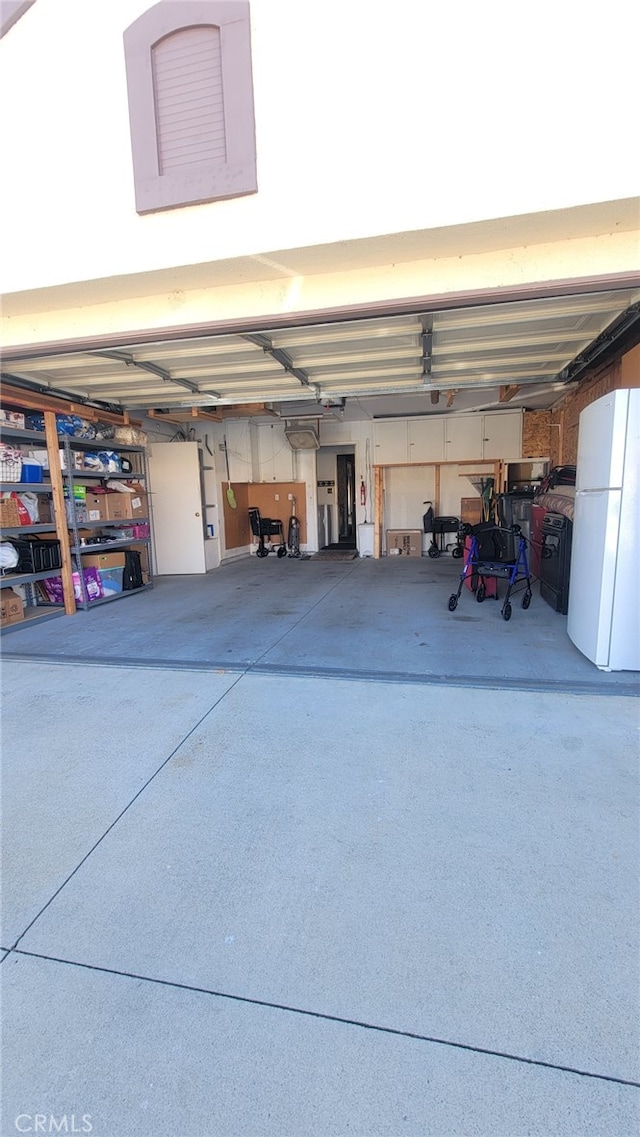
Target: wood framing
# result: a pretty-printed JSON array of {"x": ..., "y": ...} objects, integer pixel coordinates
[
  {"x": 508, "y": 391},
  {"x": 378, "y": 474},
  {"x": 36, "y": 401},
  {"x": 62, "y": 532}
]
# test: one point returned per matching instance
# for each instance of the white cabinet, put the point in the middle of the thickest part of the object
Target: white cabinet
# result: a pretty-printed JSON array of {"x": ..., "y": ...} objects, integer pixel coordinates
[
  {"x": 502, "y": 435},
  {"x": 463, "y": 437},
  {"x": 390, "y": 441},
  {"x": 426, "y": 439},
  {"x": 409, "y": 440},
  {"x": 449, "y": 438}
]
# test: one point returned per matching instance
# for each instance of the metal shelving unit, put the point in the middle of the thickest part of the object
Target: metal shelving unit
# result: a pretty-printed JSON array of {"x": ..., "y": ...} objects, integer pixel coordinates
[
  {"x": 137, "y": 458},
  {"x": 35, "y": 610}
]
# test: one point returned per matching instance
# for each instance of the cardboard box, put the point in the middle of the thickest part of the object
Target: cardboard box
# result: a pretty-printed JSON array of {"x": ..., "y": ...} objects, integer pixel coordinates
[
  {"x": 96, "y": 506},
  {"x": 117, "y": 506},
  {"x": 11, "y": 607},
  {"x": 137, "y": 505},
  {"x": 12, "y": 418},
  {"x": 45, "y": 510},
  {"x": 470, "y": 510},
  {"x": 103, "y": 560},
  {"x": 144, "y": 559},
  {"x": 404, "y": 542}
]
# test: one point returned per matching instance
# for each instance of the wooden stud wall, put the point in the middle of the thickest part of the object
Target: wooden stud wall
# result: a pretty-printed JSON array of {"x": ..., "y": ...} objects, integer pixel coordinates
[{"x": 378, "y": 491}]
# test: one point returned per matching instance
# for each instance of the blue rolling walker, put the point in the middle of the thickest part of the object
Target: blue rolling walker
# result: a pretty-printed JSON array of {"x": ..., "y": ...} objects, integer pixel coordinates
[{"x": 506, "y": 564}]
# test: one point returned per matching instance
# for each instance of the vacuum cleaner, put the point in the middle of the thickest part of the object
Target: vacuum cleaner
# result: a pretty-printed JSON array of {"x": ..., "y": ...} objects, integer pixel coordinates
[{"x": 293, "y": 533}]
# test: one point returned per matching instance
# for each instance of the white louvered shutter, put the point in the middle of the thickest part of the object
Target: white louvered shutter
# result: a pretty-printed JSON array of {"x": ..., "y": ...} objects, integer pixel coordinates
[{"x": 189, "y": 98}]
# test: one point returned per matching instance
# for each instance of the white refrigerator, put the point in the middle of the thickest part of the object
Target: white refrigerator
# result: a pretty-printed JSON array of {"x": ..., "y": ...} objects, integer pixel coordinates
[{"x": 603, "y": 619}]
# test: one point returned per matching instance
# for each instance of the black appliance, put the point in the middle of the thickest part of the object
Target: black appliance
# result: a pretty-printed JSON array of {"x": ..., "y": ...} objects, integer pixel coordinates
[
  {"x": 555, "y": 561},
  {"x": 515, "y": 509}
]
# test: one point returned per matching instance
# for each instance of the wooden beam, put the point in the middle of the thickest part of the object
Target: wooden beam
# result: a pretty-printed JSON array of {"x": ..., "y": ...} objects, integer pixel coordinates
[
  {"x": 378, "y": 474},
  {"x": 185, "y": 414},
  {"x": 242, "y": 410},
  {"x": 508, "y": 391},
  {"x": 35, "y": 401},
  {"x": 435, "y": 398},
  {"x": 62, "y": 530},
  {"x": 212, "y": 414},
  {"x": 450, "y": 397}
]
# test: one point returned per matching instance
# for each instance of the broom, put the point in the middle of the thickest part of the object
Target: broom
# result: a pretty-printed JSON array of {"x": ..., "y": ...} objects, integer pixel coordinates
[{"x": 231, "y": 497}]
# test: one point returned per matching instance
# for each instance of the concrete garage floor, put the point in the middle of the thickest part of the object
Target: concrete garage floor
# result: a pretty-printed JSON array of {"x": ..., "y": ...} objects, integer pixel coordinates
[
  {"x": 384, "y": 619},
  {"x": 291, "y": 870}
]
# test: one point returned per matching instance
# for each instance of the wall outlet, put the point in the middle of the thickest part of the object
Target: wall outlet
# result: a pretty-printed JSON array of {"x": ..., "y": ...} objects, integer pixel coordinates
[
  {"x": 290, "y": 496},
  {"x": 276, "y": 497}
]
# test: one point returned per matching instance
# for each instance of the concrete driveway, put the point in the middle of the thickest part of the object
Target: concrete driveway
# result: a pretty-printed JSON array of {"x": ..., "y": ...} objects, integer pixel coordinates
[{"x": 242, "y": 903}]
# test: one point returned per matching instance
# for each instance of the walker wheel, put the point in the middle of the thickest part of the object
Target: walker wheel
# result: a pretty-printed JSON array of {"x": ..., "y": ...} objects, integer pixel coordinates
[
  {"x": 526, "y": 599},
  {"x": 262, "y": 552},
  {"x": 433, "y": 551},
  {"x": 457, "y": 552},
  {"x": 481, "y": 593},
  {"x": 453, "y": 602},
  {"x": 506, "y": 612},
  {"x": 282, "y": 551}
]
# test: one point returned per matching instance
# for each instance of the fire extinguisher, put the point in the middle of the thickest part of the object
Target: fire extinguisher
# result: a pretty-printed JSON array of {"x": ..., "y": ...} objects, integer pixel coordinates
[{"x": 363, "y": 493}]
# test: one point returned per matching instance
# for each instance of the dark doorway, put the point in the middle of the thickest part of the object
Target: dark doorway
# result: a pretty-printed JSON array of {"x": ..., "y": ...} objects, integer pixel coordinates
[{"x": 346, "y": 479}]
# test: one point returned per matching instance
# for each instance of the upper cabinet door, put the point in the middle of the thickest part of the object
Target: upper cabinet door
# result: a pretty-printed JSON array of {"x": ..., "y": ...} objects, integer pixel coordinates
[
  {"x": 463, "y": 437},
  {"x": 391, "y": 442},
  {"x": 502, "y": 436},
  {"x": 426, "y": 439}
]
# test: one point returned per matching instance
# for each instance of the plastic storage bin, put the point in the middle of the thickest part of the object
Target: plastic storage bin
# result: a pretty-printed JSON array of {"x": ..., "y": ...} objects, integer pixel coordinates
[{"x": 111, "y": 580}]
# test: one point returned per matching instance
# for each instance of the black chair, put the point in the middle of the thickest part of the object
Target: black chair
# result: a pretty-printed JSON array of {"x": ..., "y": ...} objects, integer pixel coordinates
[{"x": 262, "y": 527}]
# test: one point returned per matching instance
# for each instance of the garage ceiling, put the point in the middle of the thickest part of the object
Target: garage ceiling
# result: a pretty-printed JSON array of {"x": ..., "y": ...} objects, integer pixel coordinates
[{"x": 522, "y": 353}]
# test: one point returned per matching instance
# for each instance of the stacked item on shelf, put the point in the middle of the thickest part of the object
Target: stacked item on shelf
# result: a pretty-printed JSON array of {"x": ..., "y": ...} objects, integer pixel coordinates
[{"x": 11, "y": 607}]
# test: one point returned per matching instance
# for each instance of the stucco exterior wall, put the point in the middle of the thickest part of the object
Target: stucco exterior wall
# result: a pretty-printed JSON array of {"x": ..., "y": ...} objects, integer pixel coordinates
[{"x": 369, "y": 120}]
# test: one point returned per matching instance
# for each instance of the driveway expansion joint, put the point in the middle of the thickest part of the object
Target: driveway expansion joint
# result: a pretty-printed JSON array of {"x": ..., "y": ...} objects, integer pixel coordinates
[
  {"x": 396, "y": 1032},
  {"x": 406, "y": 678}
]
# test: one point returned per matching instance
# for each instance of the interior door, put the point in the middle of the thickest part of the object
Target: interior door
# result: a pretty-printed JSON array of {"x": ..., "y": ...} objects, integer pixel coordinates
[{"x": 176, "y": 487}]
